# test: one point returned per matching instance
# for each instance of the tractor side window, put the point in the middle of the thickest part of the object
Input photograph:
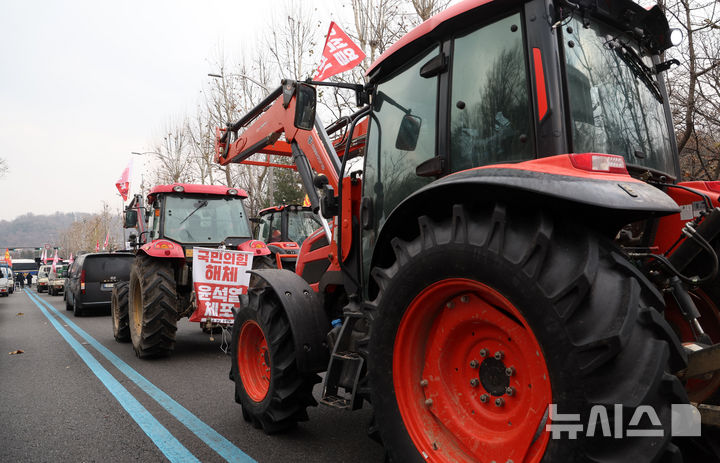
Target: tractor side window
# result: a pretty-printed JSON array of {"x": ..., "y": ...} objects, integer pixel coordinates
[
  {"x": 490, "y": 119},
  {"x": 264, "y": 228},
  {"x": 154, "y": 223},
  {"x": 401, "y": 137}
]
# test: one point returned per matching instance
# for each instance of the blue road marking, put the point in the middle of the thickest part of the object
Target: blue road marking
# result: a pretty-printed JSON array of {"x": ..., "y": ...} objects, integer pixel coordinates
[
  {"x": 212, "y": 438},
  {"x": 166, "y": 442}
]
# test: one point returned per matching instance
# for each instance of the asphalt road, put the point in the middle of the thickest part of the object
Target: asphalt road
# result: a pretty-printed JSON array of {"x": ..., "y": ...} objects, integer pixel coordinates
[{"x": 77, "y": 395}]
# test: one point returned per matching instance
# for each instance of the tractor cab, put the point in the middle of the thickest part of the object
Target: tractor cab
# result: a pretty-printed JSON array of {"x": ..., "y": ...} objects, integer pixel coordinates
[
  {"x": 284, "y": 229},
  {"x": 286, "y": 223},
  {"x": 182, "y": 216},
  {"x": 560, "y": 88}
]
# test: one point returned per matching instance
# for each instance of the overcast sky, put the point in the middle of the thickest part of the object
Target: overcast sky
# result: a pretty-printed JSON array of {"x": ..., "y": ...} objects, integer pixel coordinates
[{"x": 84, "y": 83}]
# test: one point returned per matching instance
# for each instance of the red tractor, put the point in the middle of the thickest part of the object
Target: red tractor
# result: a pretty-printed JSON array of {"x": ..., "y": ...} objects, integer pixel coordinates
[
  {"x": 517, "y": 255},
  {"x": 283, "y": 229},
  {"x": 179, "y": 216}
]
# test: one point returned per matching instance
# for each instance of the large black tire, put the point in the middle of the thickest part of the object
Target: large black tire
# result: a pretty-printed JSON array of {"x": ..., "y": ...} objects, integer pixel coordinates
[
  {"x": 68, "y": 306},
  {"x": 152, "y": 307},
  {"x": 261, "y": 263},
  {"x": 119, "y": 311},
  {"x": 77, "y": 308},
  {"x": 289, "y": 392},
  {"x": 596, "y": 319}
]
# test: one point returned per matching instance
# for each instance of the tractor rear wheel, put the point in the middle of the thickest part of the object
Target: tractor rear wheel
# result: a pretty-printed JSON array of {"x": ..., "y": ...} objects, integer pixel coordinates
[
  {"x": 273, "y": 393},
  {"x": 119, "y": 311},
  {"x": 490, "y": 316},
  {"x": 152, "y": 307}
]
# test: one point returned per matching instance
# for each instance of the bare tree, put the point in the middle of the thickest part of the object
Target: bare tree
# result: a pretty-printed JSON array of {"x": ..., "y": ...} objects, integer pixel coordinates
[
  {"x": 173, "y": 155},
  {"x": 694, "y": 86},
  {"x": 427, "y": 8}
]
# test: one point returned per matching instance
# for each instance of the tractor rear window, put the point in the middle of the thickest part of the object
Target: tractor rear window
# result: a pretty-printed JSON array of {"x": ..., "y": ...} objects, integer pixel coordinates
[
  {"x": 612, "y": 107},
  {"x": 490, "y": 119},
  {"x": 100, "y": 268}
]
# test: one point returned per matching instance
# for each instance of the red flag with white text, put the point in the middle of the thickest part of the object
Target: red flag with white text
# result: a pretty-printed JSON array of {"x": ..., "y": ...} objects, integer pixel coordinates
[
  {"x": 123, "y": 183},
  {"x": 97, "y": 246},
  {"x": 107, "y": 237},
  {"x": 339, "y": 55}
]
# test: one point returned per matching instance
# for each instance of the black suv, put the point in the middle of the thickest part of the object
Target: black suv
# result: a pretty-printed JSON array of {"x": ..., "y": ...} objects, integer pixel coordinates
[{"x": 91, "y": 279}]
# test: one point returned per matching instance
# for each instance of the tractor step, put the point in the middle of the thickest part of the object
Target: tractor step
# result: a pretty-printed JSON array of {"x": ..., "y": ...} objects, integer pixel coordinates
[
  {"x": 343, "y": 371},
  {"x": 701, "y": 360}
]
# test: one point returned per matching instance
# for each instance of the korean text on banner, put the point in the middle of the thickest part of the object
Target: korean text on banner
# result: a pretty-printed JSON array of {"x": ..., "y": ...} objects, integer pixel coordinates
[
  {"x": 219, "y": 278},
  {"x": 340, "y": 54}
]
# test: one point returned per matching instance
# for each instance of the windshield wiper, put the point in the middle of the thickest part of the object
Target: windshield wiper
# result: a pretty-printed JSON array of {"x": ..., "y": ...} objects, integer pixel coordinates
[
  {"x": 203, "y": 203},
  {"x": 636, "y": 65}
]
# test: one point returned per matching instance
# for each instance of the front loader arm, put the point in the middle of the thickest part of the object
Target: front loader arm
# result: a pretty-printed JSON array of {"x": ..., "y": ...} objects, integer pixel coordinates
[{"x": 264, "y": 125}]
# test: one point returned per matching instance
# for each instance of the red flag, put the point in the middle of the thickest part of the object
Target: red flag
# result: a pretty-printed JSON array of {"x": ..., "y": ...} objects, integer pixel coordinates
[
  {"x": 123, "y": 183},
  {"x": 55, "y": 261},
  {"x": 97, "y": 246},
  {"x": 43, "y": 256},
  {"x": 71, "y": 260},
  {"x": 107, "y": 237},
  {"x": 7, "y": 257},
  {"x": 340, "y": 54}
]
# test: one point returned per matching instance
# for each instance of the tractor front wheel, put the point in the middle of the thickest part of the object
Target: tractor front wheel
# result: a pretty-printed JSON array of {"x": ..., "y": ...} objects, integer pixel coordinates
[
  {"x": 152, "y": 307},
  {"x": 490, "y": 318},
  {"x": 119, "y": 311},
  {"x": 273, "y": 393}
]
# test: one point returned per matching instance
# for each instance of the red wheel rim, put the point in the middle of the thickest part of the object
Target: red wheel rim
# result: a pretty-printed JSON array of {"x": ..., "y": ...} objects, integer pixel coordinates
[
  {"x": 698, "y": 389},
  {"x": 253, "y": 361},
  {"x": 438, "y": 356}
]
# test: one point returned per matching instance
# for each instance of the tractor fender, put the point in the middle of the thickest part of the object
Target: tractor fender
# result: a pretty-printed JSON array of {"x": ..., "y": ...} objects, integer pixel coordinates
[
  {"x": 308, "y": 321},
  {"x": 257, "y": 247},
  {"x": 602, "y": 202},
  {"x": 163, "y": 248}
]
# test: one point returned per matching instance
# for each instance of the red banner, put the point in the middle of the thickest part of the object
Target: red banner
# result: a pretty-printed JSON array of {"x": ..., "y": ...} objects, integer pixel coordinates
[
  {"x": 219, "y": 278},
  {"x": 339, "y": 55},
  {"x": 7, "y": 257},
  {"x": 123, "y": 184}
]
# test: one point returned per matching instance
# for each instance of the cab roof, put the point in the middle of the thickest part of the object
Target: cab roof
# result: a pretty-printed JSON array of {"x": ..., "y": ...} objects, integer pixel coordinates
[
  {"x": 219, "y": 190},
  {"x": 280, "y": 208},
  {"x": 422, "y": 36},
  {"x": 625, "y": 14}
]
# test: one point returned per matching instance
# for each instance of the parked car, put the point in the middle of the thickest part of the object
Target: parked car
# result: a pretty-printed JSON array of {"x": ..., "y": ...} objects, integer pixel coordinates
[
  {"x": 11, "y": 279},
  {"x": 42, "y": 278},
  {"x": 4, "y": 281},
  {"x": 56, "y": 280},
  {"x": 91, "y": 279}
]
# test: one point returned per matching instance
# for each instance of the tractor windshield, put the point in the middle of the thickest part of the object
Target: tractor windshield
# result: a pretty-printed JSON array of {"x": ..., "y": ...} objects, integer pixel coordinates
[
  {"x": 301, "y": 224},
  {"x": 204, "y": 219},
  {"x": 615, "y": 104}
]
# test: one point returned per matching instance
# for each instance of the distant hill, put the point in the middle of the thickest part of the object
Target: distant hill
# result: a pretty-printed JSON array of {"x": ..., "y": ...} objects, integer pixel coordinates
[{"x": 36, "y": 230}]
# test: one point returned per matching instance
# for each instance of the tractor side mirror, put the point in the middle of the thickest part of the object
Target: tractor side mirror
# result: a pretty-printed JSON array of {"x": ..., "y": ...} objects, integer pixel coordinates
[
  {"x": 131, "y": 219},
  {"x": 305, "y": 103},
  {"x": 409, "y": 133}
]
